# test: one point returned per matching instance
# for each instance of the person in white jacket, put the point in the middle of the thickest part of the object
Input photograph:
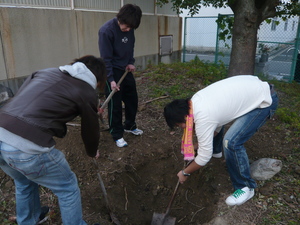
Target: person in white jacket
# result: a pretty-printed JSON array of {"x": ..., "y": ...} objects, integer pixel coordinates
[{"x": 244, "y": 99}]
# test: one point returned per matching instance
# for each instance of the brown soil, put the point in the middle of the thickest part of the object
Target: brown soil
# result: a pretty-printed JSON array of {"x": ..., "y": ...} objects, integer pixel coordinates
[{"x": 140, "y": 179}]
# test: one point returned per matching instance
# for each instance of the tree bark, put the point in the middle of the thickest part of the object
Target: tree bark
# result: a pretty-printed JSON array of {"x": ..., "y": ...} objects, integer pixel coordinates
[
  {"x": 244, "y": 38},
  {"x": 248, "y": 15}
]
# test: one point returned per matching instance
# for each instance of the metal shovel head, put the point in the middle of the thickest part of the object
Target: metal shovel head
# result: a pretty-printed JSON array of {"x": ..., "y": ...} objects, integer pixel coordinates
[{"x": 162, "y": 219}]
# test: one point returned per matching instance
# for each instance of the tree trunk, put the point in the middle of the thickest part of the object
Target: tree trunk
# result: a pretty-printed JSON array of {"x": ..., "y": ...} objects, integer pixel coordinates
[
  {"x": 248, "y": 15},
  {"x": 244, "y": 38}
]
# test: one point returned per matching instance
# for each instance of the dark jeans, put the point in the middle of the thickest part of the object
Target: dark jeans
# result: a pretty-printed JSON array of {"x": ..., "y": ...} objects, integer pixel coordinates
[{"x": 127, "y": 95}]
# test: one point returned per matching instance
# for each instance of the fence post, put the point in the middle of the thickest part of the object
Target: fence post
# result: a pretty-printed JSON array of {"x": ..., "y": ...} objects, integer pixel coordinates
[
  {"x": 296, "y": 59},
  {"x": 217, "y": 41},
  {"x": 184, "y": 40},
  {"x": 72, "y": 4}
]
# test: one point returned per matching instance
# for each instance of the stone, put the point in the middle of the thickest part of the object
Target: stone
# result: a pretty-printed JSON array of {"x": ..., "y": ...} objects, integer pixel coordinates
[{"x": 265, "y": 168}]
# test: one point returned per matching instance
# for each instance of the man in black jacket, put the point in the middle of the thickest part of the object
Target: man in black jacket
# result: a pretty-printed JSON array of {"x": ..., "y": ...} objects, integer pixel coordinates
[{"x": 46, "y": 101}]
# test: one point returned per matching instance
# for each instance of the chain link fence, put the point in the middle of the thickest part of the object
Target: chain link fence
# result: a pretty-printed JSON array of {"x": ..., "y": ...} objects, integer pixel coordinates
[
  {"x": 200, "y": 38},
  {"x": 277, "y": 52}
]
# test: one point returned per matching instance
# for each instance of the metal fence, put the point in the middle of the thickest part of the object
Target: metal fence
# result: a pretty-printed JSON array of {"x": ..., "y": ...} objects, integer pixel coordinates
[
  {"x": 148, "y": 7},
  {"x": 277, "y": 52}
]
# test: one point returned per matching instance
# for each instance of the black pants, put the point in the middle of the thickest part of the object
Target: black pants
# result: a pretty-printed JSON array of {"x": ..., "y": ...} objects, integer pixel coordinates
[{"x": 128, "y": 95}]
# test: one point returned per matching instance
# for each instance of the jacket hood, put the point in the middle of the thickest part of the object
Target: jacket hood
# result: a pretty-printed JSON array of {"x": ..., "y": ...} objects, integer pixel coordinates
[{"x": 79, "y": 71}]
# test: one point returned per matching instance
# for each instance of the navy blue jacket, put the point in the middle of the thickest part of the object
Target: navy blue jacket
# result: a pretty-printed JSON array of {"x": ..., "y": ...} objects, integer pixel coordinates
[{"x": 116, "y": 47}]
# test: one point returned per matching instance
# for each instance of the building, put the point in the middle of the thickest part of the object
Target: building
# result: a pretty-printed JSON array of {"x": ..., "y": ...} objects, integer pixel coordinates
[{"x": 46, "y": 33}]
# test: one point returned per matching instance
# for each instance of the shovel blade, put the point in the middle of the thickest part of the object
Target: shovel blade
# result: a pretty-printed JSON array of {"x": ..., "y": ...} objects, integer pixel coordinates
[{"x": 162, "y": 219}]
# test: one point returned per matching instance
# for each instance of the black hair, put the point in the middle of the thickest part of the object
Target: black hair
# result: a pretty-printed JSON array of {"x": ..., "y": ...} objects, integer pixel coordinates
[
  {"x": 96, "y": 66},
  {"x": 176, "y": 112},
  {"x": 130, "y": 15}
]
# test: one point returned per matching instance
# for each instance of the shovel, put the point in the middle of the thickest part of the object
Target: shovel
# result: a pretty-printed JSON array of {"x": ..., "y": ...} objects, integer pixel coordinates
[
  {"x": 164, "y": 218},
  {"x": 112, "y": 215},
  {"x": 111, "y": 94}
]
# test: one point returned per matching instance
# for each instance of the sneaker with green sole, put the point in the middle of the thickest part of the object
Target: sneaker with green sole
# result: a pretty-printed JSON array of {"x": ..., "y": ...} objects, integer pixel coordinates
[{"x": 240, "y": 196}]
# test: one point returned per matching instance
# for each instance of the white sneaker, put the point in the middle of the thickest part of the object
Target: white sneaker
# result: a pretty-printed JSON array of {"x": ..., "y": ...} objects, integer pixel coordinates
[
  {"x": 240, "y": 196},
  {"x": 121, "y": 143},
  {"x": 135, "y": 131},
  {"x": 217, "y": 155}
]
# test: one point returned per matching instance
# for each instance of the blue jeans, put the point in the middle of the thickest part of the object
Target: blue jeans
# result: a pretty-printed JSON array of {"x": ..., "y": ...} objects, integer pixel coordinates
[
  {"x": 50, "y": 170},
  {"x": 218, "y": 142},
  {"x": 240, "y": 131}
]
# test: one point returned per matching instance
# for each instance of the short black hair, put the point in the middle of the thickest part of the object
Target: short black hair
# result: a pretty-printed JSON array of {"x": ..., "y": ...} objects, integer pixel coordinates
[
  {"x": 96, "y": 65},
  {"x": 176, "y": 111},
  {"x": 130, "y": 14}
]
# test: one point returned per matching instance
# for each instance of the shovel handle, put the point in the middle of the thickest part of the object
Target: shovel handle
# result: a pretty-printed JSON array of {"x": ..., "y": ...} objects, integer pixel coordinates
[
  {"x": 172, "y": 198},
  {"x": 113, "y": 91},
  {"x": 176, "y": 189},
  {"x": 112, "y": 215},
  {"x": 101, "y": 182}
]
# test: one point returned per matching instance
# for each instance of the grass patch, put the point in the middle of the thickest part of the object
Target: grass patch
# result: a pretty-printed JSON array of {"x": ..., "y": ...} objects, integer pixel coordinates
[
  {"x": 182, "y": 80},
  {"x": 289, "y": 110}
]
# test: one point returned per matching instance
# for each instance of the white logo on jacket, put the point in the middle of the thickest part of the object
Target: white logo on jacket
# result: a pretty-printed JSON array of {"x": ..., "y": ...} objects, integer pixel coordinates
[{"x": 125, "y": 40}]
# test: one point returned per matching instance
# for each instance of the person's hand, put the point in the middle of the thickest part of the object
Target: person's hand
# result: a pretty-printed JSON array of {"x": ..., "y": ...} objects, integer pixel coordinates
[
  {"x": 181, "y": 177},
  {"x": 130, "y": 68},
  {"x": 97, "y": 154},
  {"x": 100, "y": 111},
  {"x": 114, "y": 86}
]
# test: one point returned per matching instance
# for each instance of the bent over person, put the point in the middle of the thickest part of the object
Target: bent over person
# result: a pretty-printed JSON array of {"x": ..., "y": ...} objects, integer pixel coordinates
[
  {"x": 116, "y": 46},
  {"x": 47, "y": 100},
  {"x": 244, "y": 99}
]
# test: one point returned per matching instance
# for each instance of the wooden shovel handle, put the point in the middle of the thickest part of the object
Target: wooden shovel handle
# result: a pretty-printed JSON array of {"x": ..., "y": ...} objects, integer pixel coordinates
[
  {"x": 176, "y": 189},
  {"x": 172, "y": 198},
  {"x": 113, "y": 91}
]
